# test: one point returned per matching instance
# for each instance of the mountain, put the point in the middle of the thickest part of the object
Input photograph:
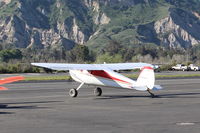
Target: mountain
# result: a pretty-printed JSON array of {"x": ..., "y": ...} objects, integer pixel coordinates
[{"x": 65, "y": 23}]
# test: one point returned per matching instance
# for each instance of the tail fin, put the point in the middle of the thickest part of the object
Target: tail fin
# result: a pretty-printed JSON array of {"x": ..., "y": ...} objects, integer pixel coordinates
[{"x": 146, "y": 79}]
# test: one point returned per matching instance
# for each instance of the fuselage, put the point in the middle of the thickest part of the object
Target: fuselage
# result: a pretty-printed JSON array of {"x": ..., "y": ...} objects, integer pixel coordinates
[{"x": 102, "y": 78}]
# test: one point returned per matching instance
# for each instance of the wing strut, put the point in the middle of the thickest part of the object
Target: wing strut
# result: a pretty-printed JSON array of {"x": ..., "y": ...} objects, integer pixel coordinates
[{"x": 80, "y": 86}]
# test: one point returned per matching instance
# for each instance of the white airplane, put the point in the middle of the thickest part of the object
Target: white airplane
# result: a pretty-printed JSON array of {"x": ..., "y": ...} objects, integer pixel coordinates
[{"x": 106, "y": 75}]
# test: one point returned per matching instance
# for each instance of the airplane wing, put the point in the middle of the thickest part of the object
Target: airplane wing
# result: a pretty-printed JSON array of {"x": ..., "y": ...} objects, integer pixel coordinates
[{"x": 113, "y": 66}]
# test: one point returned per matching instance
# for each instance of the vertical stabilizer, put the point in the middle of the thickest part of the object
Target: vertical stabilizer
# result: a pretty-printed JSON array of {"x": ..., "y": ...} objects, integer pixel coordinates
[{"x": 146, "y": 79}]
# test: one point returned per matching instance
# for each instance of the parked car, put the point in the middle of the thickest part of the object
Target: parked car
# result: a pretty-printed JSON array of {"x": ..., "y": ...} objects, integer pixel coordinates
[
  {"x": 156, "y": 68},
  {"x": 180, "y": 67},
  {"x": 192, "y": 67}
]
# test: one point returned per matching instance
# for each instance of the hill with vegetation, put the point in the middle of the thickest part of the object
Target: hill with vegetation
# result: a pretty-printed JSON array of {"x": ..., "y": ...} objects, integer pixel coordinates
[{"x": 158, "y": 31}]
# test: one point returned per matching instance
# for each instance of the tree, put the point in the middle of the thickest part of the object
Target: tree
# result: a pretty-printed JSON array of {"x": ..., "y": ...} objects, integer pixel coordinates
[
  {"x": 109, "y": 59},
  {"x": 6, "y": 55},
  {"x": 113, "y": 47},
  {"x": 79, "y": 53},
  {"x": 128, "y": 55}
]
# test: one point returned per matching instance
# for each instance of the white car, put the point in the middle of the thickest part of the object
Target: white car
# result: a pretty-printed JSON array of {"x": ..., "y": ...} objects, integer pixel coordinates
[
  {"x": 180, "y": 67},
  {"x": 192, "y": 67}
]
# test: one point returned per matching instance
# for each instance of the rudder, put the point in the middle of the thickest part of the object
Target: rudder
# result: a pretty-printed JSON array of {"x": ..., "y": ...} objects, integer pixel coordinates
[{"x": 146, "y": 79}]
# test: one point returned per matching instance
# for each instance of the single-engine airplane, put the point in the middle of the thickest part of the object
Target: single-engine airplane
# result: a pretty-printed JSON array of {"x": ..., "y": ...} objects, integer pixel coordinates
[
  {"x": 9, "y": 80},
  {"x": 106, "y": 75}
]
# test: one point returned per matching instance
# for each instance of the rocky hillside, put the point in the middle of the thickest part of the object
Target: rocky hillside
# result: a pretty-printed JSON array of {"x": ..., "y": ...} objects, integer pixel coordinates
[{"x": 64, "y": 23}]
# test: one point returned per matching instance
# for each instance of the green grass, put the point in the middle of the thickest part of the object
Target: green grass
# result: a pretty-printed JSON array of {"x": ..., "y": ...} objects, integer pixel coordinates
[
  {"x": 134, "y": 76},
  {"x": 38, "y": 78},
  {"x": 178, "y": 76}
]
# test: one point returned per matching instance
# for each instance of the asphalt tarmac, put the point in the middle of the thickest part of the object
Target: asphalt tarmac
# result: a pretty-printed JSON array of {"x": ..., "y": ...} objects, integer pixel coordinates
[{"x": 45, "y": 107}]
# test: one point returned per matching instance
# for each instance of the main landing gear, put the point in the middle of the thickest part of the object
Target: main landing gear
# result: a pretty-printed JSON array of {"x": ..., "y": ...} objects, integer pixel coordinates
[
  {"x": 74, "y": 92},
  {"x": 97, "y": 91},
  {"x": 152, "y": 95}
]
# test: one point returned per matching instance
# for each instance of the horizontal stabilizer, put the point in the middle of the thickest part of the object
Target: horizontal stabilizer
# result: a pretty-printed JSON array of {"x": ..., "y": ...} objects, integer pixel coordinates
[
  {"x": 157, "y": 87},
  {"x": 141, "y": 88},
  {"x": 144, "y": 88}
]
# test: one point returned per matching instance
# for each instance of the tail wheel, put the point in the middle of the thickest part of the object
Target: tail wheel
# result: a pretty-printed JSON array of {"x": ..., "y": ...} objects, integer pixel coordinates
[
  {"x": 73, "y": 93},
  {"x": 97, "y": 91}
]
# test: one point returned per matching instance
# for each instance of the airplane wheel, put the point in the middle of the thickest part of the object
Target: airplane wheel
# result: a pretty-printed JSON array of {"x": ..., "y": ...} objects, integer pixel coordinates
[
  {"x": 97, "y": 91},
  {"x": 73, "y": 93}
]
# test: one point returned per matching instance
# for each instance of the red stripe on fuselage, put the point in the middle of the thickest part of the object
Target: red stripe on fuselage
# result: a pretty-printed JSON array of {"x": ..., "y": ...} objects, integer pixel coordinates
[{"x": 104, "y": 74}]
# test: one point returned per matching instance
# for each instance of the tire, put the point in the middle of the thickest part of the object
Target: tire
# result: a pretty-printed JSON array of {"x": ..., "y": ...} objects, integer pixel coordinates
[
  {"x": 97, "y": 91},
  {"x": 73, "y": 93}
]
